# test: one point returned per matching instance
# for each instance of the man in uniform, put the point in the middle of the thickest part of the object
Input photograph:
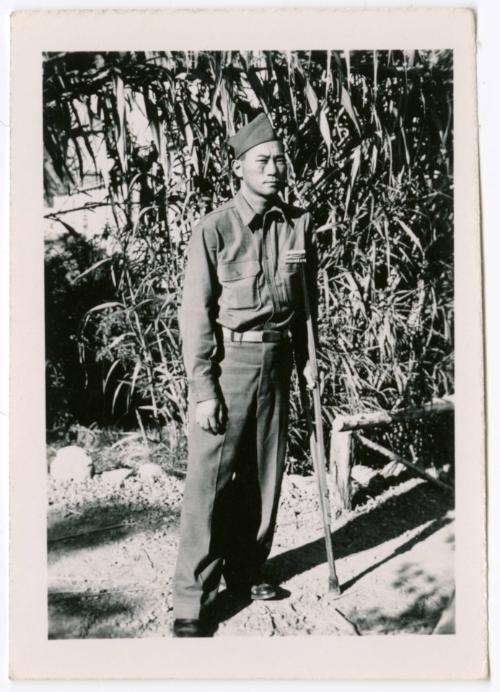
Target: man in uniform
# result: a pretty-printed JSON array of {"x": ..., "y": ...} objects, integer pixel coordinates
[{"x": 241, "y": 316}]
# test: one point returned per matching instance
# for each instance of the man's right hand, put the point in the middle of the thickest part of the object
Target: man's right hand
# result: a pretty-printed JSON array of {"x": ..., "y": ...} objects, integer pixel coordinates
[{"x": 210, "y": 415}]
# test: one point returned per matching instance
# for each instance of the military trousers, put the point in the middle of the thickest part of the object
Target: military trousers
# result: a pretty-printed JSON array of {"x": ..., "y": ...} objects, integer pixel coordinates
[{"x": 233, "y": 479}]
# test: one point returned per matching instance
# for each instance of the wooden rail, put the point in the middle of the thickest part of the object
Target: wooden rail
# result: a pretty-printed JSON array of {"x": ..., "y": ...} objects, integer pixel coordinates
[
  {"x": 370, "y": 420},
  {"x": 344, "y": 438}
]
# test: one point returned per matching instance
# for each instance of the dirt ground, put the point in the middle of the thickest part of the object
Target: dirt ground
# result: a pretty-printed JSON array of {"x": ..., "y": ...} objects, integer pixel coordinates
[{"x": 111, "y": 554}]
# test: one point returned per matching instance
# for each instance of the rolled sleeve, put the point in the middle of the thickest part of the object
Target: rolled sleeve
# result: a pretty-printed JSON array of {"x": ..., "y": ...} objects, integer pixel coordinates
[{"x": 197, "y": 314}]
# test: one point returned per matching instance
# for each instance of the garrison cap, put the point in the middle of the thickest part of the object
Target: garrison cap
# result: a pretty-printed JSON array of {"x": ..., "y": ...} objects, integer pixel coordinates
[{"x": 257, "y": 131}]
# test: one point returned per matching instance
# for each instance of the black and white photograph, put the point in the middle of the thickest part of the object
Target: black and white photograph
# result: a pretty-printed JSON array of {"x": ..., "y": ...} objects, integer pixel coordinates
[
  {"x": 250, "y": 298},
  {"x": 268, "y": 236}
]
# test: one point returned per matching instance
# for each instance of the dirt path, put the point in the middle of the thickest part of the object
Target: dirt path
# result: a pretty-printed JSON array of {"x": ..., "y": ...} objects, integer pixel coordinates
[{"x": 112, "y": 553}]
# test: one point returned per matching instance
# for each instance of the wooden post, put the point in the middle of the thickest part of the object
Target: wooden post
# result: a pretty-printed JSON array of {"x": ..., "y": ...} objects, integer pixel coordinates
[
  {"x": 341, "y": 454},
  {"x": 343, "y": 439}
]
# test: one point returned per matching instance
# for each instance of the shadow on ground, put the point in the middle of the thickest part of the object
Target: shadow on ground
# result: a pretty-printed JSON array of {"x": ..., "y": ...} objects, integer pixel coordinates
[
  {"x": 110, "y": 614},
  {"x": 417, "y": 507},
  {"x": 98, "y": 525},
  {"x": 397, "y": 515},
  {"x": 420, "y": 617},
  {"x": 226, "y": 605},
  {"x": 73, "y": 615}
]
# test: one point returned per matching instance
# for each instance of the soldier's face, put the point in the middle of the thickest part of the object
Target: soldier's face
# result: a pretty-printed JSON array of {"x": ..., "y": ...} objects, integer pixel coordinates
[{"x": 263, "y": 168}]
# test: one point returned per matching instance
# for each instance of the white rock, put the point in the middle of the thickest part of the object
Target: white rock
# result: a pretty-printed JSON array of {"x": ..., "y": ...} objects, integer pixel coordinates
[
  {"x": 150, "y": 471},
  {"x": 116, "y": 476},
  {"x": 71, "y": 463},
  {"x": 363, "y": 474}
]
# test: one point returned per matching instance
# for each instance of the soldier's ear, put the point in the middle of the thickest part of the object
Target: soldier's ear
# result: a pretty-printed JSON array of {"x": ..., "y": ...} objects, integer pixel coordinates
[{"x": 237, "y": 168}]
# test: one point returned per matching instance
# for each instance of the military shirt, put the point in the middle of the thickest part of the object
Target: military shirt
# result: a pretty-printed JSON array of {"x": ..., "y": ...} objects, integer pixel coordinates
[{"x": 237, "y": 276}]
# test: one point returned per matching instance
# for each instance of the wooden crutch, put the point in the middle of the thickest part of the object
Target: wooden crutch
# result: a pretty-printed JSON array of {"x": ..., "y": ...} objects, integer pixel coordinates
[{"x": 316, "y": 437}]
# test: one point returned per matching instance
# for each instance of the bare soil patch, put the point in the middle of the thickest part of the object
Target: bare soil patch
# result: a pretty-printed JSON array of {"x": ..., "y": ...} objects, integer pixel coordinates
[{"x": 112, "y": 550}]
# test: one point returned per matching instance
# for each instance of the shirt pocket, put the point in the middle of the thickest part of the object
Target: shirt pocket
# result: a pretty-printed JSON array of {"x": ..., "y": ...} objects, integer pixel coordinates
[
  {"x": 290, "y": 277},
  {"x": 240, "y": 284}
]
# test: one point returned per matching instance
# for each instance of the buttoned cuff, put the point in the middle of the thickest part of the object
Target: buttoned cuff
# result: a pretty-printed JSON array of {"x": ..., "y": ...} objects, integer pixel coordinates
[{"x": 204, "y": 388}]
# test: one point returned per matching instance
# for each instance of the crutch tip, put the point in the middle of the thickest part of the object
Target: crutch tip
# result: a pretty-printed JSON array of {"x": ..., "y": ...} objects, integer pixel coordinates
[{"x": 333, "y": 586}]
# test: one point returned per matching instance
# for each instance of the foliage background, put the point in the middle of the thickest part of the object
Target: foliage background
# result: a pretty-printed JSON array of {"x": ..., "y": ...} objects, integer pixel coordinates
[{"x": 136, "y": 143}]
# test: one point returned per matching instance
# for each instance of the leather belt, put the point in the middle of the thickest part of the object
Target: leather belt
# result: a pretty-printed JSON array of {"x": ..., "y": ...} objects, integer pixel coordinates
[{"x": 263, "y": 336}]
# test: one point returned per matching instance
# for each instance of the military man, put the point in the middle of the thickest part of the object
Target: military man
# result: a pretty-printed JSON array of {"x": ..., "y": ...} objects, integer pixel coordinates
[{"x": 241, "y": 318}]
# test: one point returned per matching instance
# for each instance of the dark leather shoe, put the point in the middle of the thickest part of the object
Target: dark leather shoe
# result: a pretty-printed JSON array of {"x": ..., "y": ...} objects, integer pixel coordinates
[
  {"x": 262, "y": 591},
  {"x": 257, "y": 591},
  {"x": 189, "y": 627}
]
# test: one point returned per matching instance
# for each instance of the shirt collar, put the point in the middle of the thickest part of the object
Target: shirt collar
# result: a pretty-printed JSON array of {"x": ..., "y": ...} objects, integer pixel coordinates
[{"x": 248, "y": 213}]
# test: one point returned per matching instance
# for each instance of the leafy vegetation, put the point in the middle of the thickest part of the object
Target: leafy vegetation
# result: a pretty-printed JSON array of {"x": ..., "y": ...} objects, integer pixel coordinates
[{"x": 369, "y": 143}]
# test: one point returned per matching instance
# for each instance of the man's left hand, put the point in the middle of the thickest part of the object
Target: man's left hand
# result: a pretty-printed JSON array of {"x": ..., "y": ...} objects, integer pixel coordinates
[{"x": 311, "y": 381}]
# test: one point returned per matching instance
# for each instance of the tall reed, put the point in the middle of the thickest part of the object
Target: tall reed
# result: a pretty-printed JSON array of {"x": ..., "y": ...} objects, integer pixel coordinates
[{"x": 369, "y": 142}]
